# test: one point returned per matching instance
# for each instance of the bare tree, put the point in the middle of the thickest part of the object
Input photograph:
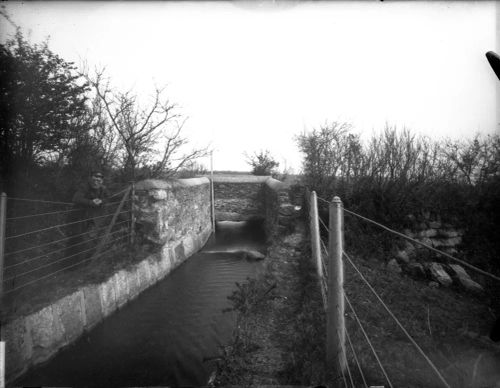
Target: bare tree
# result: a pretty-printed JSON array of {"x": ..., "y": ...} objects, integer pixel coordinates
[
  {"x": 476, "y": 160},
  {"x": 150, "y": 137}
]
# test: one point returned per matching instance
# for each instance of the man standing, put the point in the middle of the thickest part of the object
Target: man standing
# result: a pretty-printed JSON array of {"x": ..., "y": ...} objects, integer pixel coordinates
[{"x": 87, "y": 220}]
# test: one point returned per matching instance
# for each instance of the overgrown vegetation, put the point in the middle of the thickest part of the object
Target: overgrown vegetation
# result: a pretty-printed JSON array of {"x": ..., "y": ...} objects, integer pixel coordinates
[
  {"x": 280, "y": 328},
  {"x": 450, "y": 327},
  {"x": 397, "y": 173},
  {"x": 249, "y": 297},
  {"x": 306, "y": 350}
]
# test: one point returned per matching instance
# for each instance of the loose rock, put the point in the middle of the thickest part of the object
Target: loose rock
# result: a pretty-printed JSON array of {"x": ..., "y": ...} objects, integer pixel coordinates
[
  {"x": 463, "y": 278},
  {"x": 254, "y": 256},
  {"x": 416, "y": 270},
  {"x": 439, "y": 274},
  {"x": 393, "y": 266}
]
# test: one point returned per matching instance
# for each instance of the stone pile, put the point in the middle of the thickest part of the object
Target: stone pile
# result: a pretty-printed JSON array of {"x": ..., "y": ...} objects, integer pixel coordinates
[
  {"x": 413, "y": 258},
  {"x": 431, "y": 231}
]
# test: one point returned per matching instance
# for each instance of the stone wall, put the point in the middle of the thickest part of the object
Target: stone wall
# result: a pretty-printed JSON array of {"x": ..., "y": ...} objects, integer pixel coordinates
[
  {"x": 239, "y": 198},
  {"x": 247, "y": 197},
  {"x": 421, "y": 262},
  {"x": 279, "y": 212},
  {"x": 430, "y": 230},
  {"x": 168, "y": 211},
  {"x": 173, "y": 215}
]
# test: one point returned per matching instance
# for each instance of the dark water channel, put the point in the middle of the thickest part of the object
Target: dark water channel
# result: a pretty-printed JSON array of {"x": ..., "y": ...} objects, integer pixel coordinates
[{"x": 166, "y": 335}]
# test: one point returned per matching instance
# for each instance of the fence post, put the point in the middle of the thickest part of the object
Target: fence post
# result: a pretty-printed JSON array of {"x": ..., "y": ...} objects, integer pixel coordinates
[
  {"x": 335, "y": 334},
  {"x": 212, "y": 194},
  {"x": 3, "y": 217},
  {"x": 132, "y": 217},
  {"x": 2, "y": 364},
  {"x": 315, "y": 239}
]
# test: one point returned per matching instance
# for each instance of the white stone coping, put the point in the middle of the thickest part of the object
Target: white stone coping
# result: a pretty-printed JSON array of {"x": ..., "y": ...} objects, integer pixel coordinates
[
  {"x": 267, "y": 179},
  {"x": 275, "y": 184},
  {"x": 240, "y": 178},
  {"x": 149, "y": 184},
  {"x": 38, "y": 336}
]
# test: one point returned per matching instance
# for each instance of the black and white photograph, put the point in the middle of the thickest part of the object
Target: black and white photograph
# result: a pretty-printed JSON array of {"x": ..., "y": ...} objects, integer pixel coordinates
[{"x": 261, "y": 193}]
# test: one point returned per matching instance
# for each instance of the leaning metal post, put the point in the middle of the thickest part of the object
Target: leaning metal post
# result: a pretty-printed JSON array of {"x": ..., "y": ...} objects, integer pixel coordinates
[
  {"x": 335, "y": 335},
  {"x": 105, "y": 238}
]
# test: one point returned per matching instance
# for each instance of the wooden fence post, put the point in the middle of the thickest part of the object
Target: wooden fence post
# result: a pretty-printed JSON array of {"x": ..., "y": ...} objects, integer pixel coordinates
[
  {"x": 315, "y": 238},
  {"x": 335, "y": 332}
]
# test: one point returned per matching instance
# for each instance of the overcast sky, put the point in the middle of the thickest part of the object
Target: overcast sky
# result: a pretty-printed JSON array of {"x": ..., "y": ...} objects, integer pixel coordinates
[{"x": 251, "y": 77}]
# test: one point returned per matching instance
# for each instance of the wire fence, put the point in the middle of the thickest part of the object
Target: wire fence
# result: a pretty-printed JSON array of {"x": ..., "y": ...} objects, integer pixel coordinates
[
  {"x": 323, "y": 256},
  {"x": 40, "y": 243}
]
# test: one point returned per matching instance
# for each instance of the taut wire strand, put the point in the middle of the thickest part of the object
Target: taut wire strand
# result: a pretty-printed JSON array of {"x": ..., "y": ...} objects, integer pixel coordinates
[
  {"x": 431, "y": 364},
  {"x": 51, "y": 213},
  {"x": 324, "y": 200},
  {"x": 355, "y": 357},
  {"x": 41, "y": 214},
  {"x": 368, "y": 340},
  {"x": 426, "y": 246},
  {"x": 58, "y": 226},
  {"x": 345, "y": 355},
  {"x": 58, "y": 202},
  {"x": 119, "y": 192},
  {"x": 53, "y": 273},
  {"x": 39, "y": 200},
  {"x": 56, "y": 261},
  {"x": 343, "y": 378},
  {"x": 322, "y": 223},
  {"x": 325, "y": 272},
  {"x": 56, "y": 241},
  {"x": 58, "y": 250}
]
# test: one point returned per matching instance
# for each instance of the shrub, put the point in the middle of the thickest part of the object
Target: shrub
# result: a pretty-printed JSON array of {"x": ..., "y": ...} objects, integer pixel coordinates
[
  {"x": 262, "y": 163},
  {"x": 396, "y": 173}
]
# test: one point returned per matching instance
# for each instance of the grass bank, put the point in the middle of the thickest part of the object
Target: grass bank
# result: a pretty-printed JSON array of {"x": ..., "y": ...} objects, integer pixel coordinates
[{"x": 280, "y": 335}]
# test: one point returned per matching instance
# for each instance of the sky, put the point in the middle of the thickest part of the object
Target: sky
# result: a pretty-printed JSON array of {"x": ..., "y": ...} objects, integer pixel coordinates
[{"x": 253, "y": 76}]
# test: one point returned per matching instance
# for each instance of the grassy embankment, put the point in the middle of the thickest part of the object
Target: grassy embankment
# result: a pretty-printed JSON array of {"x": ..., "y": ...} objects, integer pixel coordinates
[{"x": 280, "y": 334}]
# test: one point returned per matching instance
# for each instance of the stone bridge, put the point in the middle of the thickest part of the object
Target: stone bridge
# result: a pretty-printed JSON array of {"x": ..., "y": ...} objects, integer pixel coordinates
[{"x": 247, "y": 197}]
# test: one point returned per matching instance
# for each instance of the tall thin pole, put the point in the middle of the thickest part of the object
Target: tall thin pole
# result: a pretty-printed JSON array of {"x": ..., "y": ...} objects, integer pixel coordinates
[
  {"x": 132, "y": 217},
  {"x": 3, "y": 217},
  {"x": 335, "y": 332},
  {"x": 212, "y": 194}
]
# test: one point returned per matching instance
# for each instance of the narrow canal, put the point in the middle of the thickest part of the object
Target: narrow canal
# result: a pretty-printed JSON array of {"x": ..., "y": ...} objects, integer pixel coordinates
[{"x": 171, "y": 332}]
